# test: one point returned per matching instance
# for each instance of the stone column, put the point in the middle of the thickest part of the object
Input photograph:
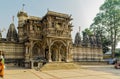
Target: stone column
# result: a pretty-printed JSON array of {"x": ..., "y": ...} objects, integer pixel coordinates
[
  {"x": 49, "y": 53},
  {"x": 70, "y": 54},
  {"x": 67, "y": 53},
  {"x": 26, "y": 49},
  {"x": 27, "y": 53},
  {"x": 27, "y": 61}
]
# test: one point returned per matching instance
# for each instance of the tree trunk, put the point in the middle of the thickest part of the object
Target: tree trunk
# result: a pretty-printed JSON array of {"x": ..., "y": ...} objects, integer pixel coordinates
[
  {"x": 114, "y": 38},
  {"x": 112, "y": 42}
]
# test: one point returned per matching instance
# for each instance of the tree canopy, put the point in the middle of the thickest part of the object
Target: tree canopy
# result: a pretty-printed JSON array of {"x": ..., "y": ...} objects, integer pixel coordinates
[{"x": 107, "y": 22}]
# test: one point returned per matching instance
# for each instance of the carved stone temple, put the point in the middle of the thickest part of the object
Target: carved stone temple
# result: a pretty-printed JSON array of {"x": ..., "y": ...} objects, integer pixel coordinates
[{"x": 48, "y": 37}]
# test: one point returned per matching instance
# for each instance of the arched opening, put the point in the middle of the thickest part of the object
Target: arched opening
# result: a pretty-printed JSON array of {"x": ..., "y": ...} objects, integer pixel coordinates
[
  {"x": 58, "y": 51},
  {"x": 54, "y": 52},
  {"x": 37, "y": 50}
]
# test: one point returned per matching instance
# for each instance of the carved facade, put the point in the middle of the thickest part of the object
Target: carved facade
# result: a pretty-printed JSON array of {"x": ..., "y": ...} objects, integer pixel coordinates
[{"x": 48, "y": 37}]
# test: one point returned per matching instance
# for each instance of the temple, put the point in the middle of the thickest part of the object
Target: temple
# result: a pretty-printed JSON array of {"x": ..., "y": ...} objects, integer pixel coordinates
[{"x": 47, "y": 37}]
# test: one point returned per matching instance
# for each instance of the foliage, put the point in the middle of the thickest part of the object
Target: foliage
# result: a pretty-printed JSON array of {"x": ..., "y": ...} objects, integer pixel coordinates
[
  {"x": 87, "y": 31},
  {"x": 107, "y": 22},
  {"x": 105, "y": 44}
]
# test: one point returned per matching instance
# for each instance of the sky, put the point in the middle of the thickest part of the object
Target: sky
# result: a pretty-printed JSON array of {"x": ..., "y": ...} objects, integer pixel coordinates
[{"x": 82, "y": 11}]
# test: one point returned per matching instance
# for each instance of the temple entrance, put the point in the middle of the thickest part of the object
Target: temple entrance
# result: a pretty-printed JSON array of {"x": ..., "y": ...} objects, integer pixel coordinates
[
  {"x": 54, "y": 53},
  {"x": 58, "y": 51},
  {"x": 62, "y": 53},
  {"x": 37, "y": 51}
]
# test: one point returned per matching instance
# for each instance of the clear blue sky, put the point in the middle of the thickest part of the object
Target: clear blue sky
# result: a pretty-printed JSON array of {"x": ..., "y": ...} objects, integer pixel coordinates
[{"x": 83, "y": 11}]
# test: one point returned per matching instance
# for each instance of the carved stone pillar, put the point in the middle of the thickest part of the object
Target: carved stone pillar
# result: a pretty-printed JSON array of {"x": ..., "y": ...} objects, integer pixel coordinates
[
  {"x": 49, "y": 53},
  {"x": 26, "y": 50},
  {"x": 70, "y": 54},
  {"x": 27, "y": 60},
  {"x": 67, "y": 53}
]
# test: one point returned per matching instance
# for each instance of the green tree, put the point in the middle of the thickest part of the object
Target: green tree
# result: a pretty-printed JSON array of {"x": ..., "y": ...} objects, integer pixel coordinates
[
  {"x": 105, "y": 44},
  {"x": 100, "y": 30},
  {"x": 109, "y": 19},
  {"x": 87, "y": 31}
]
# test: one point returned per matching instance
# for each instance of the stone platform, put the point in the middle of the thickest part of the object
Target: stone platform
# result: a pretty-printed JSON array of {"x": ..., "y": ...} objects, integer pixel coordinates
[{"x": 59, "y": 66}]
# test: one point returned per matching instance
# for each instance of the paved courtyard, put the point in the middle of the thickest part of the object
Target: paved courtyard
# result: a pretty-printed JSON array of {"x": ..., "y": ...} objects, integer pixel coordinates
[{"x": 86, "y": 72}]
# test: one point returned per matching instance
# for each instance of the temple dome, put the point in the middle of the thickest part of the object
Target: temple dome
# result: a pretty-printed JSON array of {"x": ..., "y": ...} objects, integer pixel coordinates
[{"x": 12, "y": 33}]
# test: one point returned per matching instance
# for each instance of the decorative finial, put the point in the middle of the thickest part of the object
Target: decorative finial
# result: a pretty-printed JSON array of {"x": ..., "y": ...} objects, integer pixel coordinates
[
  {"x": 23, "y": 5},
  {"x": 13, "y": 18}
]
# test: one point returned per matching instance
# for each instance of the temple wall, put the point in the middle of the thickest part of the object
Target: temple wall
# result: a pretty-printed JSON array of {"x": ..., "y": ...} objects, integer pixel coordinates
[
  {"x": 79, "y": 53},
  {"x": 87, "y": 53},
  {"x": 12, "y": 50}
]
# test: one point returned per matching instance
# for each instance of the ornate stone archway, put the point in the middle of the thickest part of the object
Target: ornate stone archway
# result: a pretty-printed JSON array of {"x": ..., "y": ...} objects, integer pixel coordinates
[
  {"x": 37, "y": 50},
  {"x": 58, "y": 51},
  {"x": 54, "y": 52}
]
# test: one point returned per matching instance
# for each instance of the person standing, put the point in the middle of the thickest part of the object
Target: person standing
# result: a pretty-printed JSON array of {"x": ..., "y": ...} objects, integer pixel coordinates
[{"x": 1, "y": 69}]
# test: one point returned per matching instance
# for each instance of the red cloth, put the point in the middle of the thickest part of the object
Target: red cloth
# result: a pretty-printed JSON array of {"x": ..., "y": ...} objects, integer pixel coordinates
[{"x": 1, "y": 69}]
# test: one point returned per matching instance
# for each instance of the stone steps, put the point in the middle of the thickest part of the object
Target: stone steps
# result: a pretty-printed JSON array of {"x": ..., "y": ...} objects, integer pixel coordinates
[{"x": 58, "y": 66}]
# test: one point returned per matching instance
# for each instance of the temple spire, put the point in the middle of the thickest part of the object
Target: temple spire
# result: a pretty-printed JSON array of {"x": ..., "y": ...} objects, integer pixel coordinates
[{"x": 23, "y": 5}]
